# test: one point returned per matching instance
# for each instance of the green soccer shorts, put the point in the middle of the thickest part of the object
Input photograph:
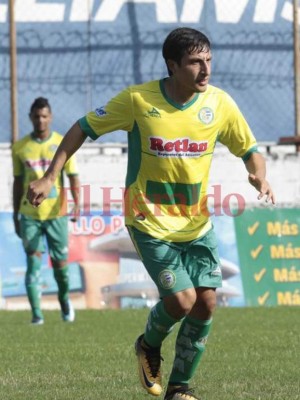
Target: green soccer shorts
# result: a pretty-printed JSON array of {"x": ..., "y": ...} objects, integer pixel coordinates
[
  {"x": 176, "y": 266},
  {"x": 55, "y": 231}
]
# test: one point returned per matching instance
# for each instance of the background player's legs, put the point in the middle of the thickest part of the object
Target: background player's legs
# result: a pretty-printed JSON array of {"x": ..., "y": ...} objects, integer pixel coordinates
[
  {"x": 56, "y": 231},
  {"x": 32, "y": 284},
  {"x": 32, "y": 238},
  {"x": 61, "y": 275}
]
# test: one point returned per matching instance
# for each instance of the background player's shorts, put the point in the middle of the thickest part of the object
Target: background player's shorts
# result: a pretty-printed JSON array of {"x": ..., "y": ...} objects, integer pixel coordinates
[
  {"x": 176, "y": 266},
  {"x": 54, "y": 230}
]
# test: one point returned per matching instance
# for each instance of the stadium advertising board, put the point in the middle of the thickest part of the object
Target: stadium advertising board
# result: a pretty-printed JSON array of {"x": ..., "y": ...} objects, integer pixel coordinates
[
  {"x": 166, "y": 11},
  {"x": 104, "y": 267},
  {"x": 269, "y": 253},
  {"x": 81, "y": 261}
]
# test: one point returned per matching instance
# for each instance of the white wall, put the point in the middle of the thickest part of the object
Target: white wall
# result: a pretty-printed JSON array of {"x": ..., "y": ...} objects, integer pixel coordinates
[{"x": 105, "y": 166}]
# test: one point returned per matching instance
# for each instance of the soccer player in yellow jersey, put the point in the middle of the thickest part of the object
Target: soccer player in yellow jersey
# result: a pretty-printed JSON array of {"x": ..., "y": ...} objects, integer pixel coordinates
[
  {"x": 173, "y": 126},
  {"x": 31, "y": 157}
]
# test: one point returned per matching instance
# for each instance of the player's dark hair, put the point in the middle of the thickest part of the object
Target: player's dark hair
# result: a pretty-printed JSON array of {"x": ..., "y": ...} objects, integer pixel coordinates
[
  {"x": 39, "y": 103},
  {"x": 181, "y": 41}
]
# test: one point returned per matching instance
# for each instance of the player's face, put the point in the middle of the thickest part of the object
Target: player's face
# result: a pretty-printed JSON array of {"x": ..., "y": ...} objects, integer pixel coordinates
[
  {"x": 193, "y": 72},
  {"x": 41, "y": 119}
]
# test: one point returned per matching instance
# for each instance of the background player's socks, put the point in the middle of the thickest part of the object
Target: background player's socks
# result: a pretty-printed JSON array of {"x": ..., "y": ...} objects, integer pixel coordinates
[
  {"x": 61, "y": 276},
  {"x": 159, "y": 325},
  {"x": 190, "y": 346},
  {"x": 32, "y": 284}
]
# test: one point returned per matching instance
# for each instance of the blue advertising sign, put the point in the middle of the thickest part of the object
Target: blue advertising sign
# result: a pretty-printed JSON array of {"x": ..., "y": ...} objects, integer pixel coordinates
[{"x": 13, "y": 265}]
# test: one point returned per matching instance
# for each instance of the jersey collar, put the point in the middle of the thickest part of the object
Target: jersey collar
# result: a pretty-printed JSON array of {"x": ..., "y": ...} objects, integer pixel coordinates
[
  {"x": 173, "y": 103},
  {"x": 41, "y": 140}
]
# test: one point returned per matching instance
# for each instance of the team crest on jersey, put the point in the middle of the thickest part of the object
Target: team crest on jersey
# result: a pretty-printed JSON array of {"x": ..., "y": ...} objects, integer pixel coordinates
[
  {"x": 53, "y": 148},
  {"x": 27, "y": 152},
  {"x": 167, "y": 279},
  {"x": 206, "y": 115},
  {"x": 100, "y": 112}
]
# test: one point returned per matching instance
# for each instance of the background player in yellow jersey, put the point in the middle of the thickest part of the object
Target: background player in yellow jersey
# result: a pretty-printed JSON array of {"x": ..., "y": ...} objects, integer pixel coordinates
[
  {"x": 31, "y": 157},
  {"x": 173, "y": 126}
]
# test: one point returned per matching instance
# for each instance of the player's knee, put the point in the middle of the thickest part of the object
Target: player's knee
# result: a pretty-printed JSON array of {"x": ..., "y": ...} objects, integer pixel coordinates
[
  {"x": 180, "y": 304},
  {"x": 206, "y": 305},
  {"x": 210, "y": 305},
  {"x": 58, "y": 264},
  {"x": 34, "y": 254}
]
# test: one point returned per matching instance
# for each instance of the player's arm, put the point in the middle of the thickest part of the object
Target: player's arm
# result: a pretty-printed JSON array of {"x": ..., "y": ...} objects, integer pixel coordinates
[
  {"x": 17, "y": 196},
  {"x": 39, "y": 190},
  {"x": 256, "y": 166},
  {"x": 75, "y": 191}
]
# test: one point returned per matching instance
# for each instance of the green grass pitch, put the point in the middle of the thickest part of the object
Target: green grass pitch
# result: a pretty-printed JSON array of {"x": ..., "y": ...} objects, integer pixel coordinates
[{"x": 252, "y": 354}]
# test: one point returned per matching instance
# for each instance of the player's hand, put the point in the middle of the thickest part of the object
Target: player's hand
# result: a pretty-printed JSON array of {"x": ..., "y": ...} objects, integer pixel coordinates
[
  {"x": 263, "y": 187},
  {"x": 75, "y": 213},
  {"x": 38, "y": 191}
]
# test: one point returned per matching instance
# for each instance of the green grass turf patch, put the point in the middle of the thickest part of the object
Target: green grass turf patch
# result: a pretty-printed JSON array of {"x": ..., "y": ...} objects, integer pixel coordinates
[{"x": 252, "y": 354}]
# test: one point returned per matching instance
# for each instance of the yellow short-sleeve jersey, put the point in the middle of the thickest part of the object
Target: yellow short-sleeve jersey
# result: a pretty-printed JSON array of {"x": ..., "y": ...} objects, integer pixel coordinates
[
  {"x": 31, "y": 158},
  {"x": 170, "y": 149}
]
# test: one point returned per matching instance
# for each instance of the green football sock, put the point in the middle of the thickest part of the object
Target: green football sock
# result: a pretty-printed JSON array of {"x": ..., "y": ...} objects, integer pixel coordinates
[
  {"x": 32, "y": 284},
  {"x": 61, "y": 276},
  {"x": 159, "y": 325},
  {"x": 190, "y": 346}
]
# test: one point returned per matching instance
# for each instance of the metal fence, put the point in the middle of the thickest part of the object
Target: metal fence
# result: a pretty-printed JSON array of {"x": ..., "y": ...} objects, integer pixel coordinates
[{"x": 79, "y": 54}]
